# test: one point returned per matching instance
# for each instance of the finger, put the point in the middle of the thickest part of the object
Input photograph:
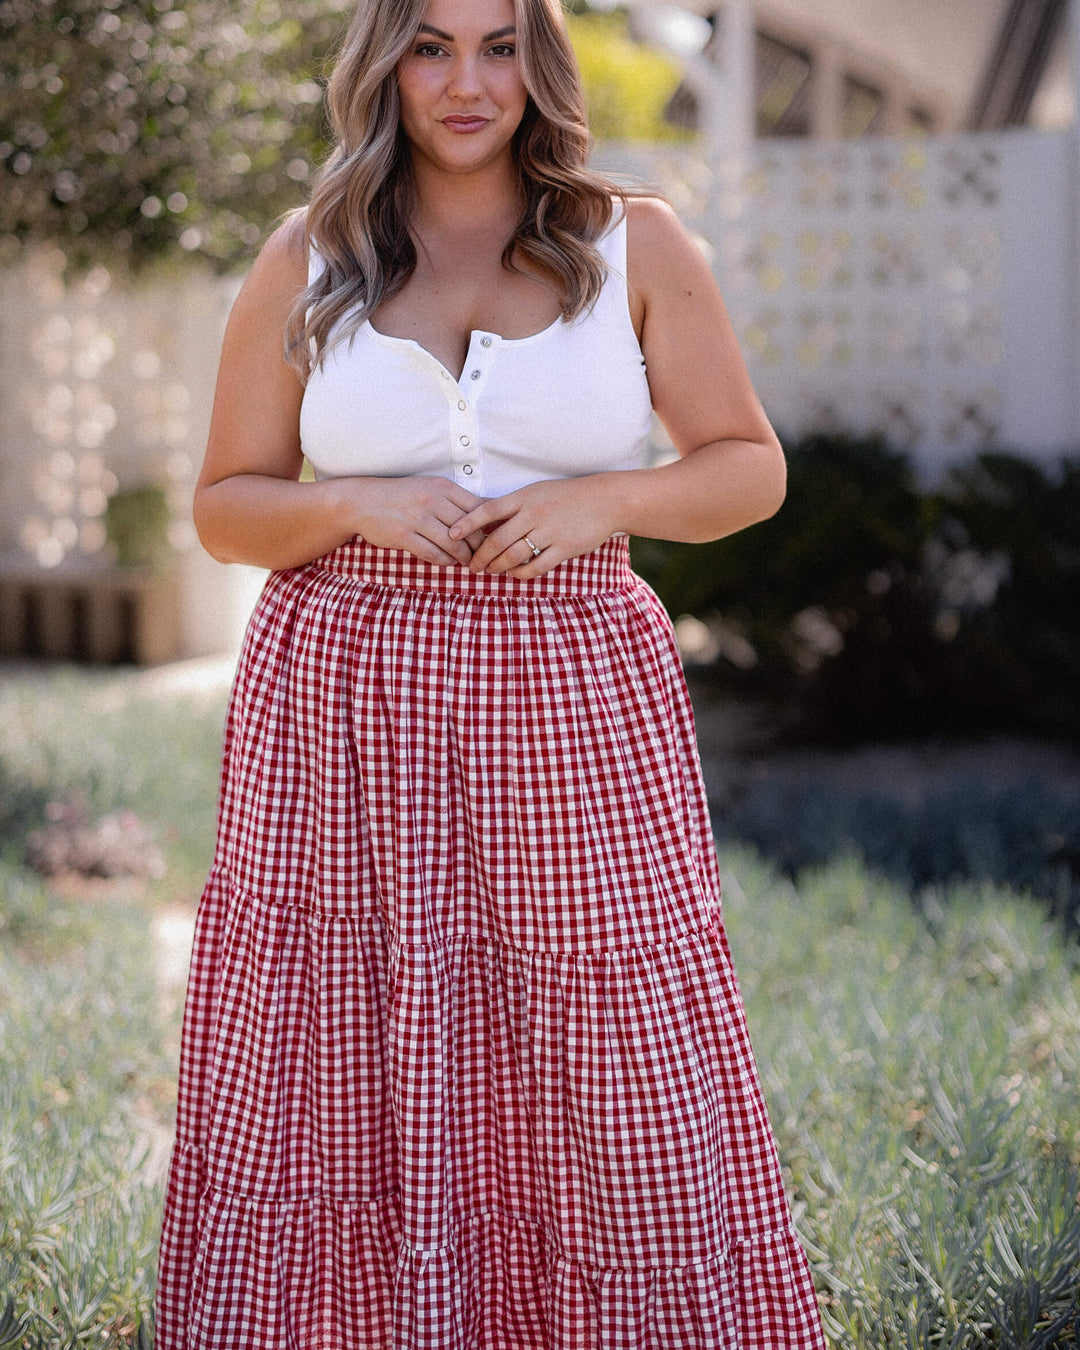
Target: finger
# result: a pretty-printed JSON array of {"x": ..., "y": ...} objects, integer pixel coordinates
[
  {"x": 518, "y": 555},
  {"x": 462, "y": 549},
  {"x": 462, "y": 498},
  {"x": 488, "y": 513},
  {"x": 459, "y": 549},
  {"x": 536, "y": 567},
  {"x": 501, "y": 540},
  {"x": 428, "y": 551}
]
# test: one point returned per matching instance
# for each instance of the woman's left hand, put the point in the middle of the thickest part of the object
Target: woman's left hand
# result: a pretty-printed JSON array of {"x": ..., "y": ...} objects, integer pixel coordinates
[{"x": 532, "y": 530}]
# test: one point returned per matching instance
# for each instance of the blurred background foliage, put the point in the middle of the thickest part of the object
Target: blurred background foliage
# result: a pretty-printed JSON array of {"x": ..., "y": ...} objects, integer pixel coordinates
[
  {"x": 156, "y": 128},
  {"x": 627, "y": 84},
  {"x": 144, "y": 127},
  {"x": 872, "y": 606}
]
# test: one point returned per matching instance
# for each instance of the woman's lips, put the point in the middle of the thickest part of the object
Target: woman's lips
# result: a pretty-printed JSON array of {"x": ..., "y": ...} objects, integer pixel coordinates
[{"x": 465, "y": 124}]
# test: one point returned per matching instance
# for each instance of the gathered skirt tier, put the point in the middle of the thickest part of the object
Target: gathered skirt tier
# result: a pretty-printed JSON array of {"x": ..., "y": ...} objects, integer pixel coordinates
[{"x": 464, "y": 1063}]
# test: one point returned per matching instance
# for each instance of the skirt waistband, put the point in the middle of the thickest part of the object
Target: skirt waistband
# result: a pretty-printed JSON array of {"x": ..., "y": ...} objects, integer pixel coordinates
[{"x": 606, "y": 568}]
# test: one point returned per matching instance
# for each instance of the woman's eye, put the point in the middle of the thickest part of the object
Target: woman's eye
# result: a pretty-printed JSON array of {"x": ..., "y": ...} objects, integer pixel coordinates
[
  {"x": 429, "y": 49},
  {"x": 502, "y": 49}
]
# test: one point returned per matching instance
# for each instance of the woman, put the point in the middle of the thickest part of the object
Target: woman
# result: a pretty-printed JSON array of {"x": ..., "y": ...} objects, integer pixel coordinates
[{"x": 464, "y": 1064}]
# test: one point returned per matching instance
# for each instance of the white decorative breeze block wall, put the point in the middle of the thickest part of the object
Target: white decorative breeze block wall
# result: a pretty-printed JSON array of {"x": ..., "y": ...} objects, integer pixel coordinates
[
  {"x": 105, "y": 384},
  {"x": 927, "y": 289}
]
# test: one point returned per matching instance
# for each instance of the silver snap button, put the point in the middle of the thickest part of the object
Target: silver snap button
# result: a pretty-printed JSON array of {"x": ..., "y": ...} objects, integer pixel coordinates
[
  {"x": 467, "y": 468},
  {"x": 485, "y": 342},
  {"x": 474, "y": 375},
  {"x": 464, "y": 440},
  {"x": 462, "y": 405},
  {"x": 445, "y": 374}
]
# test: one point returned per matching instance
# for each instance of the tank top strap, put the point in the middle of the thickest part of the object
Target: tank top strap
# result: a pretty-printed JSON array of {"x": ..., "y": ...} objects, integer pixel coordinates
[
  {"x": 612, "y": 247},
  {"x": 614, "y": 299},
  {"x": 612, "y": 243},
  {"x": 316, "y": 262}
]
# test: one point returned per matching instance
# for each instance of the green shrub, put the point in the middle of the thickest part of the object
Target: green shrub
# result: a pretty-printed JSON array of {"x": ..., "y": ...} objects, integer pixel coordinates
[
  {"x": 872, "y": 608},
  {"x": 137, "y": 526},
  {"x": 828, "y": 593},
  {"x": 1024, "y": 835},
  {"x": 1027, "y": 643}
]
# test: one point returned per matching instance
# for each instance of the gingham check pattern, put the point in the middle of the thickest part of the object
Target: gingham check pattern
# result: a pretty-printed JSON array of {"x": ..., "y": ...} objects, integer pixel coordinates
[{"x": 464, "y": 1062}]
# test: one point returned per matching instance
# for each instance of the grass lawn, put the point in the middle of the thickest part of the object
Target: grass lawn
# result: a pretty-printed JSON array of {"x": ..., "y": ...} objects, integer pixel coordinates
[
  {"x": 921, "y": 1060},
  {"x": 922, "y": 1067}
]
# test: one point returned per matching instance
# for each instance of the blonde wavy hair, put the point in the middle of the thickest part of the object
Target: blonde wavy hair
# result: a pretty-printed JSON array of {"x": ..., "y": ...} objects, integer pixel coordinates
[{"x": 359, "y": 210}]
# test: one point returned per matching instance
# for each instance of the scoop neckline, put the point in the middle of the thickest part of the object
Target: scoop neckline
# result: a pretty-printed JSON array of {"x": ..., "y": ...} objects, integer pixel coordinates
[{"x": 474, "y": 333}]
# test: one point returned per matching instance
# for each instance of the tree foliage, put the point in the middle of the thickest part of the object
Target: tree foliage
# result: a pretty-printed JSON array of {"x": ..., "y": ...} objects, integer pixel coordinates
[
  {"x": 627, "y": 84},
  {"x": 141, "y": 126}
]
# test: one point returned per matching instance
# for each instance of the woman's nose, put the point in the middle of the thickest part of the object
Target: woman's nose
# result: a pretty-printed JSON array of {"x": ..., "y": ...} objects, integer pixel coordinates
[{"x": 464, "y": 78}]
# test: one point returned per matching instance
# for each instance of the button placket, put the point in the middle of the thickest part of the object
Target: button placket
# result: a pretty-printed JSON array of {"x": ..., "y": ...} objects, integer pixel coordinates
[
  {"x": 462, "y": 425},
  {"x": 464, "y": 433},
  {"x": 463, "y": 439}
]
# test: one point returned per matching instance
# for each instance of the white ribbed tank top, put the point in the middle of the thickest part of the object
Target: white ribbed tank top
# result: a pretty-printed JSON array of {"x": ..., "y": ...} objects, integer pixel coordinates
[{"x": 572, "y": 399}]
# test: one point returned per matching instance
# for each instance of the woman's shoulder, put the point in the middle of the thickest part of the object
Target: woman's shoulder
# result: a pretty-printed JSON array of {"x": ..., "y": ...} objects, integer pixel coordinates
[
  {"x": 277, "y": 277},
  {"x": 284, "y": 256},
  {"x": 280, "y": 270},
  {"x": 654, "y": 230},
  {"x": 650, "y": 221},
  {"x": 660, "y": 252}
]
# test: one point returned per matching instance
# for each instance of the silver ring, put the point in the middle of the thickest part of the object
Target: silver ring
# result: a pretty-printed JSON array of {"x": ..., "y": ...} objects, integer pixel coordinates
[{"x": 535, "y": 551}]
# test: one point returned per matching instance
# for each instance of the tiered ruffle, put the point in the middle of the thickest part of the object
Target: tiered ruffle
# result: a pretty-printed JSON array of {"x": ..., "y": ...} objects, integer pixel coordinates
[
  {"x": 464, "y": 1062},
  {"x": 337, "y": 1276}
]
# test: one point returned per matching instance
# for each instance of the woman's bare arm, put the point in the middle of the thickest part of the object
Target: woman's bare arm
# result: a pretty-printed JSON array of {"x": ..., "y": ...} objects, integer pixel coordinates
[
  {"x": 249, "y": 503},
  {"x": 730, "y": 472}
]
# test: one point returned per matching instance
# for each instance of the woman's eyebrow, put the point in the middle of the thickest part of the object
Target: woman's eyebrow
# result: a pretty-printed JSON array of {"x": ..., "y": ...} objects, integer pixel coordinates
[{"x": 488, "y": 37}]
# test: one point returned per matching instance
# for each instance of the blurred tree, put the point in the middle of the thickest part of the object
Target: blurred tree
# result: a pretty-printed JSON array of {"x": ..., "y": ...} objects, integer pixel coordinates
[
  {"x": 627, "y": 84},
  {"x": 136, "y": 126}
]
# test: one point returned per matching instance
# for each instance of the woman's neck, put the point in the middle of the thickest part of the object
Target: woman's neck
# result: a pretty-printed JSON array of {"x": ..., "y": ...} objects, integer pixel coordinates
[{"x": 484, "y": 203}]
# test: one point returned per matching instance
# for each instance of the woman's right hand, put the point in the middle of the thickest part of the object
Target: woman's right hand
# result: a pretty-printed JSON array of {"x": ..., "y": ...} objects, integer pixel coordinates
[{"x": 414, "y": 514}]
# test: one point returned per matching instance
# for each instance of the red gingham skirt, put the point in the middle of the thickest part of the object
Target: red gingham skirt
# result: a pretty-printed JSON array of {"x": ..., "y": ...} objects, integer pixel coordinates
[{"x": 464, "y": 1062}]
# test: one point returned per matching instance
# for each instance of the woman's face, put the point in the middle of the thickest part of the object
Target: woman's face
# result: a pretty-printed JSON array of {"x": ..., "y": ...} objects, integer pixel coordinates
[{"x": 462, "y": 95}]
